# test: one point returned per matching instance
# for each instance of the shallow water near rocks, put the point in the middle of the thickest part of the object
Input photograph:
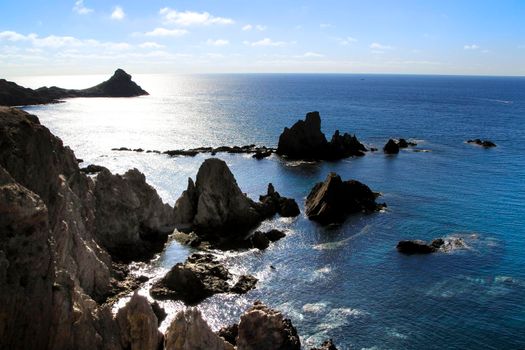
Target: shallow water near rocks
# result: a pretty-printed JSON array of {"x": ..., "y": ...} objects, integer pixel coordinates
[{"x": 346, "y": 282}]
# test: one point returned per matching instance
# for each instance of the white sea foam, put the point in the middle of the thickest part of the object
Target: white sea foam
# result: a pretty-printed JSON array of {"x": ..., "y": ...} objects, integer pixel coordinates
[{"x": 315, "y": 307}]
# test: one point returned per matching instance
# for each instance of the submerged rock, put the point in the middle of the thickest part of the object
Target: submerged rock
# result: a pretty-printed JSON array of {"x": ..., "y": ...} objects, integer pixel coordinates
[
  {"x": 391, "y": 147},
  {"x": 188, "y": 331},
  {"x": 199, "y": 277},
  {"x": 215, "y": 208},
  {"x": 263, "y": 328},
  {"x": 119, "y": 85},
  {"x": 483, "y": 143},
  {"x": 305, "y": 140},
  {"x": 333, "y": 200}
]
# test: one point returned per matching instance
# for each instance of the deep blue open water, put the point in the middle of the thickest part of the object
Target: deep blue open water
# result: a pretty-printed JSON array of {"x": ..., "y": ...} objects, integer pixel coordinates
[{"x": 349, "y": 282}]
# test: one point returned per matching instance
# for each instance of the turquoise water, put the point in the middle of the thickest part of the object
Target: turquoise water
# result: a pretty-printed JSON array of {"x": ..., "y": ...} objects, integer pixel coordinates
[{"x": 345, "y": 282}]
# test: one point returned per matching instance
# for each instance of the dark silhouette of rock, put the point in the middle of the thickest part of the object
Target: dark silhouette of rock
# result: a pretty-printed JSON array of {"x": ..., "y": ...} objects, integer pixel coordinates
[
  {"x": 259, "y": 240},
  {"x": 304, "y": 140},
  {"x": 229, "y": 333},
  {"x": 261, "y": 154},
  {"x": 263, "y": 328},
  {"x": 391, "y": 147},
  {"x": 421, "y": 247},
  {"x": 92, "y": 169},
  {"x": 198, "y": 278},
  {"x": 483, "y": 143},
  {"x": 215, "y": 208},
  {"x": 275, "y": 235},
  {"x": 333, "y": 200},
  {"x": 159, "y": 311},
  {"x": 119, "y": 85},
  {"x": 402, "y": 143},
  {"x": 326, "y": 345}
]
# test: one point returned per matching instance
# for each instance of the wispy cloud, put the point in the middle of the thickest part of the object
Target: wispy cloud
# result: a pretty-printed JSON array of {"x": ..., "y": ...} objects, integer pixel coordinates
[
  {"x": 266, "y": 42},
  {"x": 378, "y": 46},
  {"x": 311, "y": 54},
  {"x": 80, "y": 8},
  {"x": 471, "y": 47},
  {"x": 167, "y": 32},
  {"x": 151, "y": 45},
  {"x": 325, "y": 25},
  {"x": 346, "y": 41},
  {"x": 258, "y": 27},
  {"x": 190, "y": 18},
  {"x": 59, "y": 42},
  {"x": 118, "y": 13},
  {"x": 218, "y": 42}
]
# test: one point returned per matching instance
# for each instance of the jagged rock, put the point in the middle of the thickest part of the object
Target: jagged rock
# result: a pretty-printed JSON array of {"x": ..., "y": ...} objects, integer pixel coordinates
[
  {"x": 132, "y": 221},
  {"x": 391, "y": 147},
  {"x": 261, "y": 154},
  {"x": 402, "y": 143},
  {"x": 93, "y": 169},
  {"x": 244, "y": 284},
  {"x": 333, "y": 200},
  {"x": 159, "y": 312},
  {"x": 215, "y": 207},
  {"x": 327, "y": 345},
  {"x": 119, "y": 85},
  {"x": 229, "y": 333},
  {"x": 275, "y": 235},
  {"x": 262, "y": 328},
  {"x": 484, "y": 143},
  {"x": 304, "y": 140},
  {"x": 421, "y": 247},
  {"x": 196, "y": 279},
  {"x": 138, "y": 325},
  {"x": 259, "y": 240},
  {"x": 188, "y": 331}
]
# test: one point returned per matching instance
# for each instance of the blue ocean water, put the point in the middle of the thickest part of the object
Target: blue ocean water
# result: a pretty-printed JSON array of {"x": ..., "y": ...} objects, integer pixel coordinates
[{"x": 348, "y": 282}]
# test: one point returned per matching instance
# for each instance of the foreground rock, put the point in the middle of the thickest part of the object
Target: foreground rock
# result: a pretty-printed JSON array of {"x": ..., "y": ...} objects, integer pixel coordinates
[
  {"x": 483, "y": 143},
  {"x": 119, "y": 85},
  {"x": 263, "y": 328},
  {"x": 199, "y": 277},
  {"x": 54, "y": 275},
  {"x": 216, "y": 209},
  {"x": 421, "y": 247},
  {"x": 333, "y": 200},
  {"x": 304, "y": 140},
  {"x": 132, "y": 221},
  {"x": 391, "y": 147}
]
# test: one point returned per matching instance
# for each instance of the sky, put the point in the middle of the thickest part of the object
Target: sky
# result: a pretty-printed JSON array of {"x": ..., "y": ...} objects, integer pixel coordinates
[{"x": 483, "y": 37}]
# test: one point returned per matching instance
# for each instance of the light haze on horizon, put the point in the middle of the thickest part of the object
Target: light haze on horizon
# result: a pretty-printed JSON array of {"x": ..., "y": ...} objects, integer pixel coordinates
[{"x": 234, "y": 36}]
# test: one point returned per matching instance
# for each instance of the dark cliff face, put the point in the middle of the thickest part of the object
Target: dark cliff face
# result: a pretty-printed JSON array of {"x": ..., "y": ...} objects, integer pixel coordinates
[{"x": 119, "y": 85}]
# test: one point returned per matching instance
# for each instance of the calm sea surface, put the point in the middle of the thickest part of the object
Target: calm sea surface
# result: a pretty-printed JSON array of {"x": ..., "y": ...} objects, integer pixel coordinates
[{"x": 346, "y": 282}]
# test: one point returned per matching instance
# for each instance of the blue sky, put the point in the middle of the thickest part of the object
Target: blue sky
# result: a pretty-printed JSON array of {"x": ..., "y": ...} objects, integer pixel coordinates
[{"x": 204, "y": 36}]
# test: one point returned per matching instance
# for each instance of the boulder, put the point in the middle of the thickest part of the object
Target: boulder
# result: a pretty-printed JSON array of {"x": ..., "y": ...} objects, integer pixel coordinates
[
  {"x": 132, "y": 221},
  {"x": 198, "y": 278},
  {"x": 391, "y": 147},
  {"x": 188, "y": 331},
  {"x": 263, "y": 328},
  {"x": 305, "y": 140},
  {"x": 229, "y": 333},
  {"x": 272, "y": 203},
  {"x": 483, "y": 143},
  {"x": 415, "y": 247},
  {"x": 333, "y": 200},
  {"x": 326, "y": 345}
]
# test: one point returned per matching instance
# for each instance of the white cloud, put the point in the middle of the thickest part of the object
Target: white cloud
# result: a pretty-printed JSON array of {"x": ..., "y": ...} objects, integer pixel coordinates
[
  {"x": 80, "y": 8},
  {"x": 266, "y": 42},
  {"x": 347, "y": 41},
  {"x": 57, "y": 42},
  {"x": 118, "y": 13},
  {"x": 258, "y": 27},
  {"x": 151, "y": 45},
  {"x": 12, "y": 36},
  {"x": 312, "y": 54},
  {"x": 261, "y": 28},
  {"x": 189, "y": 18},
  {"x": 247, "y": 27},
  {"x": 167, "y": 32},
  {"x": 378, "y": 46},
  {"x": 471, "y": 47},
  {"x": 218, "y": 42}
]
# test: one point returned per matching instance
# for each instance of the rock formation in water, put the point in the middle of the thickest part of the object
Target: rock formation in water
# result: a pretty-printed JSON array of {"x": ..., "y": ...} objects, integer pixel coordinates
[
  {"x": 215, "y": 208},
  {"x": 305, "y": 140},
  {"x": 410, "y": 247},
  {"x": 119, "y": 85},
  {"x": 483, "y": 143},
  {"x": 54, "y": 274},
  {"x": 199, "y": 277},
  {"x": 391, "y": 147},
  {"x": 326, "y": 345},
  {"x": 132, "y": 221},
  {"x": 333, "y": 200}
]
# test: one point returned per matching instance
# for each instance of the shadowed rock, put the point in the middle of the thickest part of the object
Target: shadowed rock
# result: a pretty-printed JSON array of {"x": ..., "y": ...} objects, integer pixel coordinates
[
  {"x": 483, "y": 143},
  {"x": 391, "y": 147},
  {"x": 437, "y": 245},
  {"x": 326, "y": 345},
  {"x": 119, "y": 85},
  {"x": 304, "y": 140},
  {"x": 333, "y": 200}
]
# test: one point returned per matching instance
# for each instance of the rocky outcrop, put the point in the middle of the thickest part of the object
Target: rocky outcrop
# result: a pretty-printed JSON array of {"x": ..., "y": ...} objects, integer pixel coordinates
[
  {"x": 263, "y": 328},
  {"x": 229, "y": 333},
  {"x": 188, "y": 331},
  {"x": 391, "y": 147},
  {"x": 483, "y": 143},
  {"x": 326, "y": 345},
  {"x": 132, "y": 221},
  {"x": 198, "y": 278},
  {"x": 119, "y": 85},
  {"x": 447, "y": 244},
  {"x": 138, "y": 325},
  {"x": 305, "y": 140},
  {"x": 215, "y": 208},
  {"x": 54, "y": 276},
  {"x": 333, "y": 200}
]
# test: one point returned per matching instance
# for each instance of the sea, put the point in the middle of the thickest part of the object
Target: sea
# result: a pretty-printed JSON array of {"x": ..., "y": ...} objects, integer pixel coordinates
[{"x": 344, "y": 282}]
